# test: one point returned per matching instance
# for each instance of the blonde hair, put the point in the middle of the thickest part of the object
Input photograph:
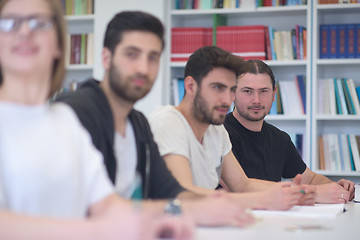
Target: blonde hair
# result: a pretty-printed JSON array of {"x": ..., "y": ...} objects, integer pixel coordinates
[{"x": 58, "y": 70}]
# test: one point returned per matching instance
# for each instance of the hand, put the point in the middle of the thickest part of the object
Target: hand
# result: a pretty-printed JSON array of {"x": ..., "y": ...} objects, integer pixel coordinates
[
  {"x": 309, "y": 192},
  {"x": 218, "y": 209},
  {"x": 282, "y": 196},
  {"x": 309, "y": 196},
  {"x": 121, "y": 221},
  {"x": 332, "y": 193},
  {"x": 348, "y": 185}
]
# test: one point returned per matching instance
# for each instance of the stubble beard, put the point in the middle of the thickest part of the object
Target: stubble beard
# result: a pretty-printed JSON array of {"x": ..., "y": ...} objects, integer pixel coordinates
[
  {"x": 203, "y": 113},
  {"x": 120, "y": 86}
]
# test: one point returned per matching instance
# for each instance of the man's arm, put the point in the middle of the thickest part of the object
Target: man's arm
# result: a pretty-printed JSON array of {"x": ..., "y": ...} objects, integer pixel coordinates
[
  {"x": 280, "y": 196},
  {"x": 329, "y": 191}
]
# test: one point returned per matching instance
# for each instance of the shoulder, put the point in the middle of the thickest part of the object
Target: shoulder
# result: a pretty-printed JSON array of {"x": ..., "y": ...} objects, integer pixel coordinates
[
  {"x": 271, "y": 129},
  {"x": 88, "y": 95},
  {"x": 166, "y": 115}
]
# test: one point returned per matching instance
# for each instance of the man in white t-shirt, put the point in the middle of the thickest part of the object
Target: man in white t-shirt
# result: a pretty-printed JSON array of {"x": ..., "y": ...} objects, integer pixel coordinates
[{"x": 196, "y": 146}]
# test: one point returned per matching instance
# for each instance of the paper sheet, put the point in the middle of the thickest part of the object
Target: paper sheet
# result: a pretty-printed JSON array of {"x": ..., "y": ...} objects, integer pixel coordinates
[{"x": 317, "y": 211}]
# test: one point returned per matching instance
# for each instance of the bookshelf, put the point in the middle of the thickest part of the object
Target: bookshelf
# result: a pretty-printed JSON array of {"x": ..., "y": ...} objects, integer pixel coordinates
[
  {"x": 284, "y": 70},
  {"x": 324, "y": 68},
  {"x": 79, "y": 22},
  {"x": 284, "y": 18}
]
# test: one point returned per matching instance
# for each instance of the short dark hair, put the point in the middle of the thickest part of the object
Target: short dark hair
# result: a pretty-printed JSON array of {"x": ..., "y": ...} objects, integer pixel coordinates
[
  {"x": 131, "y": 21},
  {"x": 205, "y": 59},
  {"x": 257, "y": 67}
]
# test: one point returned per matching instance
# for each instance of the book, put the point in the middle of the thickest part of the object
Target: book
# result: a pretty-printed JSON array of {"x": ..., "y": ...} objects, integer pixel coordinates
[
  {"x": 351, "y": 40},
  {"x": 358, "y": 92},
  {"x": 327, "y": 158},
  {"x": 301, "y": 86},
  {"x": 334, "y": 151},
  {"x": 331, "y": 92},
  {"x": 267, "y": 44},
  {"x": 355, "y": 151},
  {"x": 357, "y": 37},
  {"x": 186, "y": 40},
  {"x": 332, "y": 41},
  {"x": 271, "y": 36},
  {"x": 287, "y": 45},
  {"x": 341, "y": 41},
  {"x": 290, "y": 97},
  {"x": 351, "y": 155},
  {"x": 320, "y": 97},
  {"x": 278, "y": 45},
  {"x": 337, "y": 98},
  {"x": 345, "y": 151},
  {"x": 342, "y": 97},
  {"x": 353, "y": 95},
  {"x": 324, "y": 45},
  {"x": 349, "y": 103},
  {"x": 247, "y": 42}
]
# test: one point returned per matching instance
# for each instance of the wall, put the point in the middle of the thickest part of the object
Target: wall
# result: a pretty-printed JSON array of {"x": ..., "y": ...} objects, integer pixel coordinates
[{"x": 104, "y": 11}]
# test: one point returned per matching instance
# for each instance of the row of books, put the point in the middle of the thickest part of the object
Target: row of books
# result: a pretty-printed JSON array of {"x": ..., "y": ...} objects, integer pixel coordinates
[
  {"x": 337, "y": 1},
  {"x": 338, "y": 96},
  {"x": 340, "y": 40},
  {"x": 209, "y": 4},
  {"x": 290, "y": 98},
  {"x": 80, "y": 48},
  {"x": 273, "y": 3},
  {"x": 78, "y": 7},
  {"x": 339, "y": 152},
  {"x": 286, "y": 45},
  {"x": 249, "y": 42}
]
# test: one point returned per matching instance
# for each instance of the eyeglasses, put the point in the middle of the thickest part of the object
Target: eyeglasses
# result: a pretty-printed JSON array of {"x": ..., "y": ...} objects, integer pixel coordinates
[{"x": 35, "y": 23}]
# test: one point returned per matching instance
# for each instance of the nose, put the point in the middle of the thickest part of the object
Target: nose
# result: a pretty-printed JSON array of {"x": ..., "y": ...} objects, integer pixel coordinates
[
  {"x": 256, "y": 98},
  {"x": 24, "y": 28},
  {"x": 227, "y": 98},
  {"x": 143, "y": 66}
]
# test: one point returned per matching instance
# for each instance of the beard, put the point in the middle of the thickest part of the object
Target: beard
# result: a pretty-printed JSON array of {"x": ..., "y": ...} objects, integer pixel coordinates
[
  {"x": 204, "y": 113},
  {"x": 121, "y": 85},
  {"x": 247, "y": 116}
]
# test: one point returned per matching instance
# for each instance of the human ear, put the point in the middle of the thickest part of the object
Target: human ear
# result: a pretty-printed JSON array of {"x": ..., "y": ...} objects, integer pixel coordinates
[
  {"x": 190, "y": 85},
  {"x": 106, "y": 58}
]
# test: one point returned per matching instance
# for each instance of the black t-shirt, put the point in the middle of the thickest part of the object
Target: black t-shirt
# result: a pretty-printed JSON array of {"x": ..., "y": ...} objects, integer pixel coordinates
[{"x": 268, "y": 154}]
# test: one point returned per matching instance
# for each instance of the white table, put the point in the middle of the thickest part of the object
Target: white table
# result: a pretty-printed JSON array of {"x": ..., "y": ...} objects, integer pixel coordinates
[{"x": 345, "y": 226}]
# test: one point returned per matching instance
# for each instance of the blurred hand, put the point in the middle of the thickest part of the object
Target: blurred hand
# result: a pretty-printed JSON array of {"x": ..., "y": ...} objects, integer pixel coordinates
[
  {"x": 218, "y": 209},
  {"x": 122, "y": 221},
  {"x": 282, "y": 196},
  {"x": 309, "y": 191},
  {"x": 349, "y": 186},
  {"x": 333, "y": 193}
]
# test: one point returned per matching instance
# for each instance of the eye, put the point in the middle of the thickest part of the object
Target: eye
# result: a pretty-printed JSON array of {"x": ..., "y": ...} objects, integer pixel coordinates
[
  {"x": 131, "y": 54},
  {"x": 154, "y": 58},
  {"x": 7, "y": 24}
]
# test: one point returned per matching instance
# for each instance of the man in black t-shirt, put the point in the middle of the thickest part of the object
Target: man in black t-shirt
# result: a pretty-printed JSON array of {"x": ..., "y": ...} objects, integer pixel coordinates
[{"x": 264, "y": 151}]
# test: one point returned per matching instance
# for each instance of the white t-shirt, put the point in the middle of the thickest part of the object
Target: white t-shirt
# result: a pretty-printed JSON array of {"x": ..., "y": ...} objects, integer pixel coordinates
[
  {"x": 174, "y": 135},
  {"x": 126, "y": 159},
  {"x": 48, "y": 165}
]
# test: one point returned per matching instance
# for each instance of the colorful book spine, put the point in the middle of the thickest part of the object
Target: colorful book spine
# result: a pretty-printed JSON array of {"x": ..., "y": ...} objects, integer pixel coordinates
[
  {"x": 341, "y": 41},
  {"x": 324, "y": 45},
  {"x": 247, "y": 42},
  {"x": 332, "y": 36},
  {"x": 351, "y": 40}
]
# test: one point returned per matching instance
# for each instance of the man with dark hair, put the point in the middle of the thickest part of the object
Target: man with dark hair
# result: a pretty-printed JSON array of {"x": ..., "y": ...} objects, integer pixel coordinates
[
  {"x": 131, "y": 56},
  {"x": 196, "y": 146},
  {"x": 264, "y": 151}
]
